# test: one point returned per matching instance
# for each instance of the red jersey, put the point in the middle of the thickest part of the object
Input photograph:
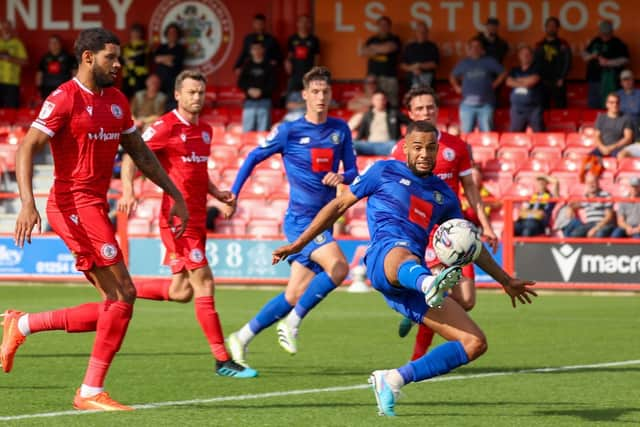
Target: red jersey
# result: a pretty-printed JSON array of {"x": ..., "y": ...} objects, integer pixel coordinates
[
  {"x": 85, "y": 130},
  {"x": 183, "y": 149},
  {"x": 452, "y": 161}
]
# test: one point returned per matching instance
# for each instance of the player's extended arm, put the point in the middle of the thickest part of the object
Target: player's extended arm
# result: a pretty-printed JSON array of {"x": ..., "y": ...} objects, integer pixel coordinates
[
  {"x": 322, "y": 221},
  {"x": 128, "y": 169},
  {"x": 149, "y": 165},
  {"x": 476, "y": 203},
  {"x": 256, "y": 156},
  {"x": 515, "y": 288},
  {"x": 28, "y": 217}
]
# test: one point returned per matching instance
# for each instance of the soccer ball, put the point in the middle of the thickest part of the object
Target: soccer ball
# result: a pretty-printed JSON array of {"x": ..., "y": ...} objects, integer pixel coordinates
[{"x": 457, "y": 242}]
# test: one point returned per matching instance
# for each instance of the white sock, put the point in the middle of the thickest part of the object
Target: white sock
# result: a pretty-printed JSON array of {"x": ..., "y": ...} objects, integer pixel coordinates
[
  {"x": 245, "y": 335},
  {"x": 293, "y": 320},
  {"x": 426, "y": 283},
  {"x": 394, "y": 379},
  {"x": 23, "y": 325},
  {"x": 88, "y": 391}
]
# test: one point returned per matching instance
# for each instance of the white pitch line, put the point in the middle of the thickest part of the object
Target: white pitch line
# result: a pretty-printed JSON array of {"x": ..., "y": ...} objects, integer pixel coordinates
[{"x": 324, "y": 390}]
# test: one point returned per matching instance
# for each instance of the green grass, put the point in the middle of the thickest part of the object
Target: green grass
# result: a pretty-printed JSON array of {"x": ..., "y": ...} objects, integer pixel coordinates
[{"x": 165, "y": 358}]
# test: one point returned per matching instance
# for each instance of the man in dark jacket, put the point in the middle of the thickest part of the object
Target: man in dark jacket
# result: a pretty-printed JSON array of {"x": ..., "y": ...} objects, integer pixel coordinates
[
  {"x": 553, "y": 57},
  {"x": 379, "y": 128}
]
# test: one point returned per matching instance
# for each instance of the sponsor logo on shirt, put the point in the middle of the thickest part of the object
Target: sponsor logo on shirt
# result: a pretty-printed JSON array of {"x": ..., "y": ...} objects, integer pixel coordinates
[
  {"x": 108, "y": 251},
  {"x": 448, "y": 154},
  {"x": 104, "y": 136},
  {"x": 116, "y": 111},
  {"x": 194, "y": 158},
  {"x": 305, "y": 140},
  {"x": 196, "y": 255},
  {"x": 445, "y": 175},
  {"x": 46, "y": 110},
  {"x": 206, "y": 138},
  {"x": 148, "y": 134}
]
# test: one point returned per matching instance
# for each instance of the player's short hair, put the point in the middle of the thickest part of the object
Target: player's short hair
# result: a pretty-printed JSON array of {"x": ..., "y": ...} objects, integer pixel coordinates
[
  {"x": 316, "y": 74},
  {"x": 94, "y": 40},
  {"x": 417, "y": 91},
  {"x": 260, "y": 17},
  {"x": 175, "y": 26},
  {"x": 189, "y": 74},
  {"x": 552, "y": 19},
  {"x": 421, "y": 126}
]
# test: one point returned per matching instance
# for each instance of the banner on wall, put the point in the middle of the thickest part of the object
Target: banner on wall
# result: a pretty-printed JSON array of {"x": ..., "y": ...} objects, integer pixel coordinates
[
  {"x": 344, "y": 25},
  {"x": 43, "y": 258}
]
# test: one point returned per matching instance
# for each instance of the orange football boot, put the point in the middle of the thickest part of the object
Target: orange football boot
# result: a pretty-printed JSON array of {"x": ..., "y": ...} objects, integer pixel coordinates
[
  {"x": 99, "y": 402},
  {"x": 12, "y": 338}
]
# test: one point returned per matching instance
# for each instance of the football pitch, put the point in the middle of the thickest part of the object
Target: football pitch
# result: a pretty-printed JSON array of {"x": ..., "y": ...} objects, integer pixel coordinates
[{"x": 566, "y": 360}]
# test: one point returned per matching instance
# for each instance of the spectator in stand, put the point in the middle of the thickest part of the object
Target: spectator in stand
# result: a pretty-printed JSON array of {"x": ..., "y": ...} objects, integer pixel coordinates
[
  {"x": 361, "y": 101},
  {"x": 382, "y": 51},
  {"x": 420, "y": 58},
  {"x": 260, "y": 35},
  {"x": 629, "y": 98},
  {"x": 135, "y": 61},
  {"x": 378, "y": 129},
  {"x": 13, "y": 56},
  {"x": 169, "y": 61},
  {"x": 56, "y": 67},
  {"x": 535, "y": 216},
  {"x": 628, "y": 214},
  {"x": 526, "y": 93},
  {"x": 148, "y": 104},
  {"x": 304, "y": 50},
  {"x": 599, "y": 215},
  {"x": 257, "y": 79},
  {"x": 494, "y": 45},
  {"x": 296, "y": 106},
  {"x": 476, "y": 78},
  {"x": 613, "y": 130},
  {"x": 606, "y": 56},
  {"x": 553, "y": 56}
]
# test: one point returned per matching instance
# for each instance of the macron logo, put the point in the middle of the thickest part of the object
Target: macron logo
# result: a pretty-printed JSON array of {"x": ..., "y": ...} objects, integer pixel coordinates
[
  {"x": 104, "y": 136},
  {"x": 194, "y": 158},
  {"x": 566, "y": 259}
]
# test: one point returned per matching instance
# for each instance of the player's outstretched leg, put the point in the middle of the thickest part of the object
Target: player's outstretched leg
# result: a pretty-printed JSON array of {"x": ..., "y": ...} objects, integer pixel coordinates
[
  {"x": 404, "y": 327},
  {"x": 18, "y": 325},
  {"x": 238, "y": 341},
  {"x": 230, "y": 368},
  {"x": 319, "y": 287}
]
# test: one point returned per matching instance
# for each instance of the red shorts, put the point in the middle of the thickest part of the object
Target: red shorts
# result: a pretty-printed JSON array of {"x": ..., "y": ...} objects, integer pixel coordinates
[
  {"x": 186, "y": 252},
  {"x": 88, "y": 233}
]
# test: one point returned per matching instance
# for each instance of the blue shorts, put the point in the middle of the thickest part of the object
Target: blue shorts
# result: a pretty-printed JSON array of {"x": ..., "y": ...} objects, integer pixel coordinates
[
  {"x": 294, "y": 227},
  {"x": 408, "y": 302}
]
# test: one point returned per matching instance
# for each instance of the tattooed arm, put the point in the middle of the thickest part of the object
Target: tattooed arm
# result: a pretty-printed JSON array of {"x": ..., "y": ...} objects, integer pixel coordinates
[{"x": 149, "y": 165}]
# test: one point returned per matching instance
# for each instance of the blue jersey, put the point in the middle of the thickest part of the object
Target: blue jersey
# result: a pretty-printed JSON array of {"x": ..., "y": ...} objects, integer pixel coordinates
[
  {"x": 309, "y": 151},
  {"x": 403, "y": 206}
]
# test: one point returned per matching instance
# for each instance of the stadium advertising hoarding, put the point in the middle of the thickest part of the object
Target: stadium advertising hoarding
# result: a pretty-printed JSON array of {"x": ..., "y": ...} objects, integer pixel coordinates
[
  {"x": 343, "y": 25},
  {"x": 44, "y": 258},
  {"x": 569, "y": 263}
]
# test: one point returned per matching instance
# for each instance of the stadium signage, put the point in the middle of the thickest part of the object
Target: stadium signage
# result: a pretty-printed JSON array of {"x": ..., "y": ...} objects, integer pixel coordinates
[{"x": 578, "y": 262}]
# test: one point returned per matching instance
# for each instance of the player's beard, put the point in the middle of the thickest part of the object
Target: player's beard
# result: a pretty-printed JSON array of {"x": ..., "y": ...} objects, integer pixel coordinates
[{"x": 101, "y": 78}]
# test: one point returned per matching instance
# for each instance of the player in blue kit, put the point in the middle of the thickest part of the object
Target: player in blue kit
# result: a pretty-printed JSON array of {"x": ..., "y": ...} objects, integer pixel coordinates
[
  {"x": 311, "y": 148},
  {"x": 404, "y": 203}
]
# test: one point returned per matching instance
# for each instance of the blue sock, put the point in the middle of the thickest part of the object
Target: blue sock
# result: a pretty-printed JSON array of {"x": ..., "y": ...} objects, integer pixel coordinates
[
  {"x": 319, "y": 288},
  {"x": 438, "y": 361},
  {"x": 411, "y": 274},
  {"x": 275, "y": 309}
]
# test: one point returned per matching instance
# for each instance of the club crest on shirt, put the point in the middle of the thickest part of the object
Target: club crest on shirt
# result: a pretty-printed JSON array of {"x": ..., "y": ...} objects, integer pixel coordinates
[
  {"x": 437, "y": 196},
  {"x": 448, "y": 154},
  {"x": 116, "y": 111},
  {"x": 183, "y": 137},
  {"x": 46, "y": 110},
  {"x": 335, "y": 138},
  {"x": 206, "y": 138},
  {"x": 108, "y": 251},
  {"x": 320, "y": 239},
  {"x": 196, "y": 255},
  {"x": 429, "y": 255}
]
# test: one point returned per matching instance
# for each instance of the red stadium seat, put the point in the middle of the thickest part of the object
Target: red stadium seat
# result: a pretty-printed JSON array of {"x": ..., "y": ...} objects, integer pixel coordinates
[
  {"x": 229, "y": 95},
  {"x": 515, "y": 154},
  {"x": 521, "y": 189},
  {"x": 548, "y": 155},
  {"x": 263, "y": 228},
  {"x": 358, "y": 228},
  {"x": 549, "y": 139},
  {"x": 357, "y": 211},
  {"x": 500, "y": 165},
  {"x": 577, "y": 94},
  {"x": 567, "y": 165},
  {"x": 566, "y": 180},
  {"x": 566, "y": 115},
  {"x": 231, "y": 139},
  {"x": 447, "y": 96},
  {"x": 502, "y": 119},
  {"x": 539, "y": 166},
  {"x": 139, "y": 226},
  {"x": 482, "y": 154},
  {"x": 487, "y": 139},
  {"x": 610, "y": 164},
  {"x": 234, "y": 128},
  {"x": 629, "y": 164},
  {"x": 148, "y": 208},
  {"x": 25, "y": 116},
  {"x": 588, "y": 117},
  {"x": 233, "y": 226},
  {"x": 515, "y": 139},
  {"x": 580, "y": 139},
  {"x": 577, "y": 153},
  {"x": 8, "y": 156},
  {"x": 223, "y": 153},
  {"x": 7, "y": 116}
]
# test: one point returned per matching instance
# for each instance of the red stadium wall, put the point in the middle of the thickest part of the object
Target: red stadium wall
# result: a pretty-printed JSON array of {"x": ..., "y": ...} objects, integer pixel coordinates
[{"x": 227, "y": 21}]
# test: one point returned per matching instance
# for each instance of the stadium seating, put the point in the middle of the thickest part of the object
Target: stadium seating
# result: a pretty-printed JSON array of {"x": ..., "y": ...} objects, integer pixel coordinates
[
  {"x": 234, "y": 226},
  {"x": 548, "y": 139},
  {"x": 487, "y": 139},
  {"x": 263, "y": 228}
]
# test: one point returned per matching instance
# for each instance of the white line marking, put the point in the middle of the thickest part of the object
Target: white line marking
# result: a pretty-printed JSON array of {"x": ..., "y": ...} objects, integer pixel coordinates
[{"x": 324, "y": 390}]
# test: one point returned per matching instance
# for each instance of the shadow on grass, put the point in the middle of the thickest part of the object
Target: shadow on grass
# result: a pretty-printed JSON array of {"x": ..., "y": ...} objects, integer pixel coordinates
[{"x": 594, "y": 415}]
